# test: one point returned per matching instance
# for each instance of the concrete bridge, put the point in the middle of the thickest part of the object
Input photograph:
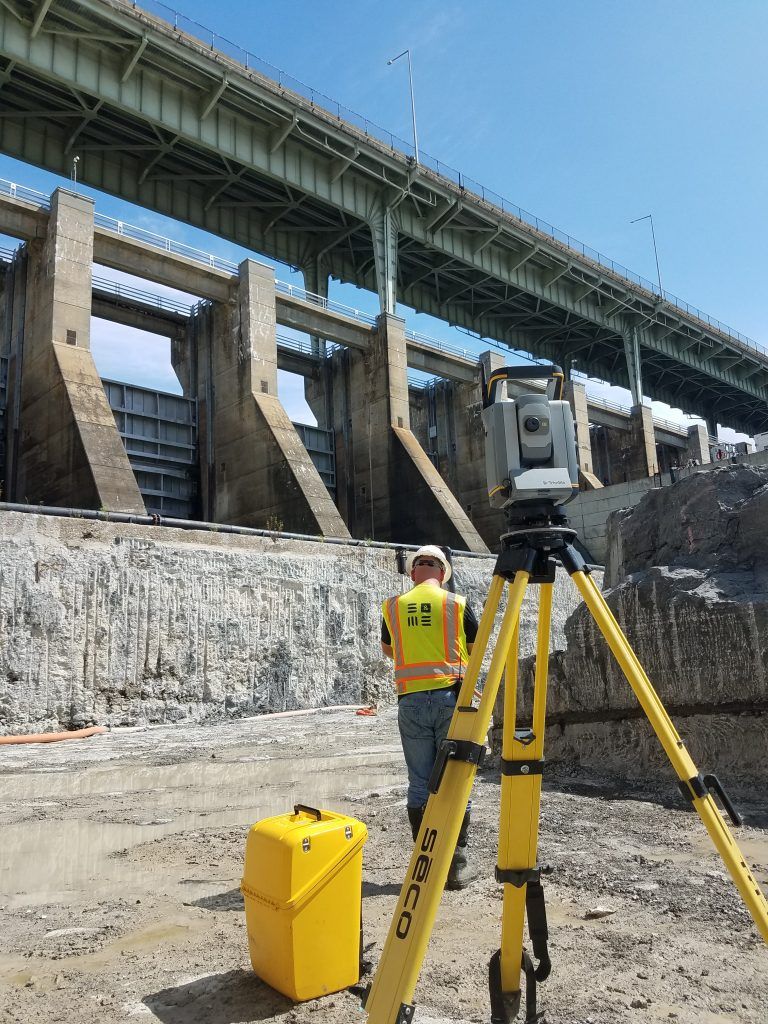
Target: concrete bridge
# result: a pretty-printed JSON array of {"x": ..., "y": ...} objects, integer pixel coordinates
[
  {"x": 407, "y": 460},
  {"x": 175, "y": 124}
]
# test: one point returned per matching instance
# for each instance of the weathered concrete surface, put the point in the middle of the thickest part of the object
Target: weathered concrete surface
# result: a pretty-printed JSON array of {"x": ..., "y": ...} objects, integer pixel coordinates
[
  {"x": 101, "y": 622},
  {"x": 689, "y": 573},
  {"x": 698, "y": 444},
  {"x": 67, "y": 449}
]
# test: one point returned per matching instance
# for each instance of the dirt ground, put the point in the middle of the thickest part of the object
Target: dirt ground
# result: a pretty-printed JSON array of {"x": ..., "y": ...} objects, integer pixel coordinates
[{"x": 121, "y": 857}]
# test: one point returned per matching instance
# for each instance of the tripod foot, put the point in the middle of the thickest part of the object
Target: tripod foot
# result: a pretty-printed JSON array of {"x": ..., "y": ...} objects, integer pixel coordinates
[{"x": 505, "y": 1006}]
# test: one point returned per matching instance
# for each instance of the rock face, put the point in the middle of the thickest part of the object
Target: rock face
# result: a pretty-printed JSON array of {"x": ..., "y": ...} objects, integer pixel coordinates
[
  {"x": 118, "y": 625},
  {"x": 688, "y": 583}
]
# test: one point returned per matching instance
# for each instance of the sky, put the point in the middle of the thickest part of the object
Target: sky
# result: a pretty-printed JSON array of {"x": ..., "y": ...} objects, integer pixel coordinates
[{"x": 587, "y": 114}]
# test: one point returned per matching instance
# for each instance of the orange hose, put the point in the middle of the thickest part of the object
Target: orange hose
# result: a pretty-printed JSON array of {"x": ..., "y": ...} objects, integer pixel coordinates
[{"x": 53, "y": 737}]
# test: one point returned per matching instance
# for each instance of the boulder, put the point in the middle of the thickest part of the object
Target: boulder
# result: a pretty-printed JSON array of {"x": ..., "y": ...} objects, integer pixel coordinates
[{"x": 687, "y": 579}]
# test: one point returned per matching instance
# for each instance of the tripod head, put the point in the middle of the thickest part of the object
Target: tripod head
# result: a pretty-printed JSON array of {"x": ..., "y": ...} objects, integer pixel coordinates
[{"x": 530, "y": 446}]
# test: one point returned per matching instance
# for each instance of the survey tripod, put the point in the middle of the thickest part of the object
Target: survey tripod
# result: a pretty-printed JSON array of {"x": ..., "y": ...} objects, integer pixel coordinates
[{"x": 530, "y": 553}]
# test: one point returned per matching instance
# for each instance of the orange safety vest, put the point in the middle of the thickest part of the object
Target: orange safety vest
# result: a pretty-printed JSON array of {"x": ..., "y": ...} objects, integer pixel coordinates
[{"x": 428, "y": 640}]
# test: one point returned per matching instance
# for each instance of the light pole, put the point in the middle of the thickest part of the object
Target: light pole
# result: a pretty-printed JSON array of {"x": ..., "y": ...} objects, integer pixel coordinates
[
  {"x": 649, "y": 216},
  {"x": 407, "y": 53}
]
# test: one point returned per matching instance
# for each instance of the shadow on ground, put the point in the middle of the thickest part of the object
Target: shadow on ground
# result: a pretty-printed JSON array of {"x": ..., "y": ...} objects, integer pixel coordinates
[
  {"x": 235, "y": 997},
  {"x": 230, "y": 900},
  {"x": 376, "y": 889}
]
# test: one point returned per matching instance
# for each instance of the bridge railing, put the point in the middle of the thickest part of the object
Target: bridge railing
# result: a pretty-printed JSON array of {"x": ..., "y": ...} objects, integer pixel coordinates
[
  {"x": 120, "y": 227},
  {"x": 252, "y": 62},
  {"x": 297, "y": 292},
  {"x": 138, "y": 295},
  {"x": 30, "y": 195},
  {"x": 303, "y": 346},
  {"x": 623, "y": 410}
]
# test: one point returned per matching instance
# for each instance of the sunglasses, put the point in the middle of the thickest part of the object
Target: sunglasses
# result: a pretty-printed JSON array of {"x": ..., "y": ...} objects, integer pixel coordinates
[{"x": 428, "y": 562}]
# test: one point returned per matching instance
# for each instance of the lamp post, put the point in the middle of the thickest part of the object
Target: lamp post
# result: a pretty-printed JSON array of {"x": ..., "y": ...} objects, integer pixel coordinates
[
  {"x": 407, "y": 53},
  {"x": 649, "y": 216}
]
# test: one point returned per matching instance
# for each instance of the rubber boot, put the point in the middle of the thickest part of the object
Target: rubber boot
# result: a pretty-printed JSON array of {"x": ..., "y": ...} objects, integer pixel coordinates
[
  {"x": 460, "y": 873},
  {"x": 415, "y": 815}
]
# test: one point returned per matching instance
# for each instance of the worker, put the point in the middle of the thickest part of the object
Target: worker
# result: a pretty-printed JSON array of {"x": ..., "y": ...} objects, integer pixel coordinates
[{"x": 428, "y": 632}]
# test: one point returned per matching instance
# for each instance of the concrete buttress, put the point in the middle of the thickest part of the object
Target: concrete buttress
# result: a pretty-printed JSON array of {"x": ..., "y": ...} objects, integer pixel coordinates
[
  {"x": 64, "y": 447},
  {"x": 255, "y": 471},
  {"x": 389, "y": 489},
  {"x": 643, "y": 460},
  {"x": 698, "y": 444}
]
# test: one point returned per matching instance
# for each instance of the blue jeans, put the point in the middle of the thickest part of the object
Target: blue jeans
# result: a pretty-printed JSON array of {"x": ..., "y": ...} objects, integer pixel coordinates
[{"x": 423, "y": 719}]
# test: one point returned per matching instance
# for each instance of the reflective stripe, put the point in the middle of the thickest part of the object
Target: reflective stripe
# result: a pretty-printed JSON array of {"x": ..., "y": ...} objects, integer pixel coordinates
[
  {"x": 451, "y": 612},
  {"x": 447, "y": 606},
  {"x": 427, "y": 670},
  {"x": 394, "y": 631}
]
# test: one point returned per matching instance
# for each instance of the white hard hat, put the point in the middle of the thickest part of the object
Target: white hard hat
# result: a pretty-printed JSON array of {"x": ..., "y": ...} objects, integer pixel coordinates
[{"x": 430, "y": 551}]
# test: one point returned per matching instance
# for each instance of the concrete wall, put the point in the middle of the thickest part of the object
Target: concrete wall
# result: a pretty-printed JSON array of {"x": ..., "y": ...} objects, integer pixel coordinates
[
  {"x": 588, "y": 512},
  {"x": 101, "y": 622}
]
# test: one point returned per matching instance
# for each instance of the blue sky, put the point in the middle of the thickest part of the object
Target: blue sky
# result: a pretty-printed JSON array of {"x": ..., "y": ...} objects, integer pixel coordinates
[{"x": 587, "y": 114}]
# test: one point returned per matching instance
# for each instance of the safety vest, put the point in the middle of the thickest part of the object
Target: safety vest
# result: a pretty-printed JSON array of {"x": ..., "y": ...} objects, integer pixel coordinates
[{"x": 428, "y": 640}]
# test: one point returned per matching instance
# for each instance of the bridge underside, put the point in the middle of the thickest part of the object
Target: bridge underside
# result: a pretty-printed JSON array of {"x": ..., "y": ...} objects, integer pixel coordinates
[{"x": 157, "y": 120}]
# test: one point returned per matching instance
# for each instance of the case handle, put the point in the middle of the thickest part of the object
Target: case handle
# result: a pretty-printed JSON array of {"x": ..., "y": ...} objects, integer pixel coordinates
[{"x": 297, "y": 808}]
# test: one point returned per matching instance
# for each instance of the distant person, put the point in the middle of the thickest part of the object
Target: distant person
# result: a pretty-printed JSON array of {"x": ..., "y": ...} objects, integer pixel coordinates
[{"x": 428, "y": 632}]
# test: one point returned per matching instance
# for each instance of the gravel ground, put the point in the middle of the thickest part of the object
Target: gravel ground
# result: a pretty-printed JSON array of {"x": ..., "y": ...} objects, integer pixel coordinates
[{"x": 122, "y": 855}]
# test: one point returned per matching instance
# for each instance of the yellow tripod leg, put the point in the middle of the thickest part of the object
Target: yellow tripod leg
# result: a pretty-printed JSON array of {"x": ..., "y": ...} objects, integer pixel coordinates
[
  {"x": 391, "y": 995},
  {"x": 522, "y": 760},
  {"x": 686, "y": 770}
]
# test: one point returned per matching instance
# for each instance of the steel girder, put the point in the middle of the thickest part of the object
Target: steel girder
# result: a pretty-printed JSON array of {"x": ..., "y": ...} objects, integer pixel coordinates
[{"x": 161, "y": 120}]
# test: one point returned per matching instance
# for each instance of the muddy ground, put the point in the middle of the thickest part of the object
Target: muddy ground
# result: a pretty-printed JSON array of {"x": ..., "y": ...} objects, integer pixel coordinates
[{"x": 121, "y": 856}]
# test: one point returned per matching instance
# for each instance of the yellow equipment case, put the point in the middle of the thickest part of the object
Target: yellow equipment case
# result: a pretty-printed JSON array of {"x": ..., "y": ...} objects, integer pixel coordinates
[{"x": 302, "y": 888}]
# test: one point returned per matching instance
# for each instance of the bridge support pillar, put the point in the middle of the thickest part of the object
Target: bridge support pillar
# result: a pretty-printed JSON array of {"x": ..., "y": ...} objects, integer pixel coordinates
[
  {"x": 384, "y": 235},
  {"x": 65, "y": 448},
  {"x": 575, "y": 394},
  {"x": 388, "y": 489},
  {"x": 634, "y": 367},
  {"x": 255, "y": 471},
  {"x": 698, "y": 444}
]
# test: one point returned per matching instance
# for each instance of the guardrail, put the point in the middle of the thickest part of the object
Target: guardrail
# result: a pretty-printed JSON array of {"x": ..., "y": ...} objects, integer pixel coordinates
[
  {"x": 305, "y": 348},
  {"x": 296, "y": 291},
  {"x": 126, "y": 291},
  {"x": 350, "y": 118},
  {"x": 623, "y": 410},
  {"x": 30, "y": 195},
  {"x": 120, "y": 227}
]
